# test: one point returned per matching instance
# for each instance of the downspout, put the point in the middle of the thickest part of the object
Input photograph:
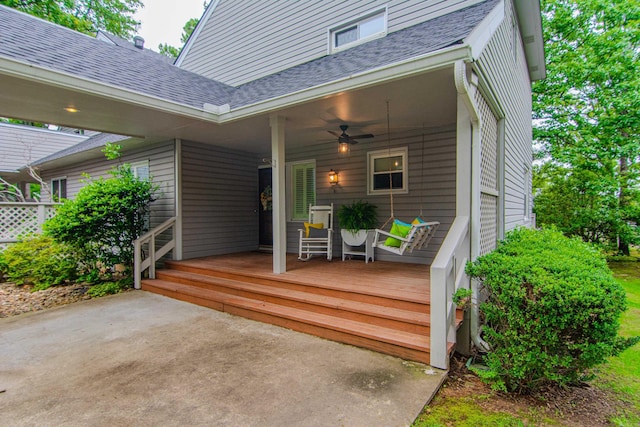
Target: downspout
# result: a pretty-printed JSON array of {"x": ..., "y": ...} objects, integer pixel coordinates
[{"x": 466, "y": 91}]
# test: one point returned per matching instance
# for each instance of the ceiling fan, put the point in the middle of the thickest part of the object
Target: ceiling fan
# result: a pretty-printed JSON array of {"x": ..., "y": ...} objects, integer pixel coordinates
[{"x": 346, "y": 140}]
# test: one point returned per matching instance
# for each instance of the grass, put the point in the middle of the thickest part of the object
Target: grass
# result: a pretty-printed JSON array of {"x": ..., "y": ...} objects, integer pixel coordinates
[
  {"x": 620, "y": 376},
  {"x": 468, "y": 412}
]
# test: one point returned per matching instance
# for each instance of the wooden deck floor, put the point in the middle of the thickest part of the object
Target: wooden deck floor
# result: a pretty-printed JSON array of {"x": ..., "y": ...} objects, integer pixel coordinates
[{"x": 408, "y": 282}]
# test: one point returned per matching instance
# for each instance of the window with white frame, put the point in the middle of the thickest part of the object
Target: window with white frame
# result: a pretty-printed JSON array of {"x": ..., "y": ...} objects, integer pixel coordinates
[
  {"x": 387, "y": 170},
  {"x": 58, "y": 189},
  {"x": 359, "y": 31},
  {"x": 302, "y": 190},
  {"x": 141, "y": 169}
]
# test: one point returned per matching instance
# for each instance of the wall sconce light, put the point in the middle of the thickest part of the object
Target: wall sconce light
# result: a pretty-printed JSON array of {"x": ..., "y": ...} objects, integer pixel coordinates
[
  {"x": 333, "y": 177},
  {"x": 343, "y": 147}
]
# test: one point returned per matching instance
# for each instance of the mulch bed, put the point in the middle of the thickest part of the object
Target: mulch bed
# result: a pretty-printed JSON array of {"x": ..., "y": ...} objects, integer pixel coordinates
[
  {"x": 572, "y": 406},
  {"x": 16, "y": 299}
]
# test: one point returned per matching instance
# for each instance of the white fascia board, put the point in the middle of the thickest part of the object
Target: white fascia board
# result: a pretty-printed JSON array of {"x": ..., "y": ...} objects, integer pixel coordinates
[
  {"x": 481, "y": 35},
  {"x": 222, "y": 114},
  {"x": 398, "y": 70},
  {"x": 33, "y": 129},
  {"x": 196, "y": 32},
  {"x": 26, "y": 71},
  {"x": 530, "y": 22}
]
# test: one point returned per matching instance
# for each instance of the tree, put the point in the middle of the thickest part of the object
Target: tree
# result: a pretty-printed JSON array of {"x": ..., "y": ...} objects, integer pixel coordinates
[
  {"x": 85, "y": 16},
  {"x": 187, "y": 30},
  {"x": 586, "y": 110}
]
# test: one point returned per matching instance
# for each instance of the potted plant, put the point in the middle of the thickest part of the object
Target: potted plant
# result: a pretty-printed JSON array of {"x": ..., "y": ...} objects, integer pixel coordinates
[{"x": 355, "y": 219}]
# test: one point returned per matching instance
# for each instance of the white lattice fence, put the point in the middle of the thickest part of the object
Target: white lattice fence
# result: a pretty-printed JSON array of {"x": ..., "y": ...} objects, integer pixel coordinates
[
  {"x": 489, "y": 192},
  {"x": 21, "y": 219}
]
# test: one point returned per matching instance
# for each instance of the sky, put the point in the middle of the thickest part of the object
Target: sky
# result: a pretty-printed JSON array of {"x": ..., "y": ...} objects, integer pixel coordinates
[{"x": 162, "y": 20}]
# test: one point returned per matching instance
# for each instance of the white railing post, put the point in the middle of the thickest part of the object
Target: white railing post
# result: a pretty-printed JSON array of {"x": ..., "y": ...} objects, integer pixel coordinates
[
  {"x": 152, "y": 257},
  {"x": 137, "y": 260},
  {"x": 447, "y": 274}
]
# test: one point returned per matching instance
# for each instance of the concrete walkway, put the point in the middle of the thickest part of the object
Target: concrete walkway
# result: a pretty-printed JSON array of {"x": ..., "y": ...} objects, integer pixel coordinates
[{"x": 146, "y": 360}]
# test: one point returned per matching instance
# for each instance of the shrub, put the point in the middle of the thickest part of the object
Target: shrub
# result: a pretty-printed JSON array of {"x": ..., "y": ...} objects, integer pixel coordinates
[
  {"x": 108, "y": 288},
  {"x": 551, "y": 312},
  {"x": 41, "y": 261},
  {"x": 105, "y": 218}
]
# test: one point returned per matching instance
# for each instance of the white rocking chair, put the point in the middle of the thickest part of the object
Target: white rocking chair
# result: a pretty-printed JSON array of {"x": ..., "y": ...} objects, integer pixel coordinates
[
  {"x": 417, "y": 238},
  {"x": 317, "y": 236}
]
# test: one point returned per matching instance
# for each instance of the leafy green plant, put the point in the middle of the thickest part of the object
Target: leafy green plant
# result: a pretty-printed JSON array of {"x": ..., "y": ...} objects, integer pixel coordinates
[
  {"x": 39, "y": 260},
  {"x": 551, "y": 312},
  {"x": 105, "y": 217},
  {"x": 108, "y": 288},
  {"x": 359, "y": 215}
]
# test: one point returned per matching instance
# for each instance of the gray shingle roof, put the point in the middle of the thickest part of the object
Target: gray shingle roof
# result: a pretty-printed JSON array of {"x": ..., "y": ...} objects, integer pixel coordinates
[
  {"x": 411, "y": 42},
  {"x": 95, "y": 141},
  {"x": 119, "y": 41},
  {"x": 38, "y": 42}
]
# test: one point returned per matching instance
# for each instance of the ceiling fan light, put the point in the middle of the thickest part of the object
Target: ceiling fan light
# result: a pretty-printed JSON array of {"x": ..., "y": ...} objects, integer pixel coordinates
[{"x": 343, "y": 147}]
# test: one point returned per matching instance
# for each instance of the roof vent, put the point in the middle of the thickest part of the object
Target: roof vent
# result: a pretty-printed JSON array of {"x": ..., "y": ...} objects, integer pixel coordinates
[{"x": 138, "y": 42}]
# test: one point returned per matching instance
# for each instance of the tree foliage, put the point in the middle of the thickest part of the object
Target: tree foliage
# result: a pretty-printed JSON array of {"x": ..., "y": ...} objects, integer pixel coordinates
[
  {"x": 173, "y": 52},
  {"x": 105, "y": 218},
  {"x": 85, "y": 16},
  {"x": 551, "y": 311},
  {"x": 586, "y": 113}
]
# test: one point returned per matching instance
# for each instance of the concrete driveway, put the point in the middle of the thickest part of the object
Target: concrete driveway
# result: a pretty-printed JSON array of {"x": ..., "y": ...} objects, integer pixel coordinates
[{"x": 143, "y": 359}]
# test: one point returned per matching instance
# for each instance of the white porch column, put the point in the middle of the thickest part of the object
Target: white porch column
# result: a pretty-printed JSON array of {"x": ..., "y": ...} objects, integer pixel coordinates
[
  {"x": 278, "y": 197},
  {"x": 177, "y": 152}
]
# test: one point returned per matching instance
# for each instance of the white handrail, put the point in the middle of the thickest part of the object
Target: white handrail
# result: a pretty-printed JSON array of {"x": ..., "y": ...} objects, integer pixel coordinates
[
  {"x": 447, "y": 276},
  {"x": 139, "y": 264}
]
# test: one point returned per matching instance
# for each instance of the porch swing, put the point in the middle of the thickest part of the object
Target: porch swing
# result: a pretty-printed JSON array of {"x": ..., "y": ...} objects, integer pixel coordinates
[{"x": 404, "y": 237}]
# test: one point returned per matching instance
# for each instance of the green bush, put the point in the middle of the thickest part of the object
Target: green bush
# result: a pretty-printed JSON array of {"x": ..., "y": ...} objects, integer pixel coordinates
[
  {"x": 39, "y": 260},
  {"x": 108, "y": 288},
  {"x": 105, "y": 217},
  {"x": 551, "y": 312}
]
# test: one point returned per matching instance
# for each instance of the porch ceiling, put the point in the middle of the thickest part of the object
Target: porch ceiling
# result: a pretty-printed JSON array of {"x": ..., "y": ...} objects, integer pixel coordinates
[{"x": 427, "y": 99}]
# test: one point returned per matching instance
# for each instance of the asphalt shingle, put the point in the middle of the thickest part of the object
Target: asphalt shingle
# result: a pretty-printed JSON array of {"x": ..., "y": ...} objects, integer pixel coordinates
[{"x": 38, "y": 42}]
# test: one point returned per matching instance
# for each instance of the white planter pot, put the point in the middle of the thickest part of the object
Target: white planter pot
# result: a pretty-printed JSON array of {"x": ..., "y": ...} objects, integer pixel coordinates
[{"x": 354, "y": 239}]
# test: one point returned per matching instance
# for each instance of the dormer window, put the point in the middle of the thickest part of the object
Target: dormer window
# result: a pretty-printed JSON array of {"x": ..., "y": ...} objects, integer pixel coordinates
[{"x": 359, "y": 31}]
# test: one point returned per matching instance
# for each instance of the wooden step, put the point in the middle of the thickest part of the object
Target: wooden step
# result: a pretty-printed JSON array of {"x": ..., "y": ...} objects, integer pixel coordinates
[
  {"x": 389, "y": 317},
  {"x": 390, "y": 341},
  {"x": 405, "y": 301}
]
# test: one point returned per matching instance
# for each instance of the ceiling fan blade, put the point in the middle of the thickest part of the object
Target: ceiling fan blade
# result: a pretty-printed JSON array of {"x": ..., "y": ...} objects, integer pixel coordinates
[
  {"x": 366, "y": 135},
  {"x": 337, "y": 135}
]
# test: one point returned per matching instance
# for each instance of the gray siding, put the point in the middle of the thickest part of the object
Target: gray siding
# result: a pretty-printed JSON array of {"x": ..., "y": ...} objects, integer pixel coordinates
[
  {"x": 433, "y": 187},
  {"x": 244, "y": 40},
  {"x": 21, "y": 145},
  {"x": 161, "y": 166},
  {"x": 505, "y": 70},
  {"x": 219, "y": 199}
]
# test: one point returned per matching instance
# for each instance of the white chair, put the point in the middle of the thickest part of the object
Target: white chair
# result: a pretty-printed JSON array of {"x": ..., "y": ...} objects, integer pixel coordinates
[{"x": 317, "y": 236}]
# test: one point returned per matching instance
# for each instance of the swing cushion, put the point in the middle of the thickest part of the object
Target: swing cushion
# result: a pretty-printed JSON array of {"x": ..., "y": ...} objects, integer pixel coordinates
[
  {"x": 417, "y": 221},
  {"x": 398, "y": 228},
  {"x": 307, "y": 226}
]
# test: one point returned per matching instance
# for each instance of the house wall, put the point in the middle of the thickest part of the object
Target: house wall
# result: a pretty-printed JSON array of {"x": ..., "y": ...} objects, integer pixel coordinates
[
  {"x": 219, "y": 200},
  {"x": 161, "y": 167},
  {"x": 502, "y": 67},
  {"x": 276, "y": 35},
  {"x": 433, "y": 186},
  {"x": 21, "y": 145}
]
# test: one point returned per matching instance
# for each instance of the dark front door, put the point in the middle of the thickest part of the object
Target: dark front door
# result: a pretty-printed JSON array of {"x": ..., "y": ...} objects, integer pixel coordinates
[{"x": 265, "y": 207}]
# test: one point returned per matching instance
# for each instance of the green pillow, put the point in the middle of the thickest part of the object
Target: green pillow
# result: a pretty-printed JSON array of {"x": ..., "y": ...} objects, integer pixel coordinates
[{"x": 397, "y": 229}]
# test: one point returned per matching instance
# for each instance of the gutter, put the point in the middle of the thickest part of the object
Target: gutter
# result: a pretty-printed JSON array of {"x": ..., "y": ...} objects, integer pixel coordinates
[{"x": 465, "y": 89}]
